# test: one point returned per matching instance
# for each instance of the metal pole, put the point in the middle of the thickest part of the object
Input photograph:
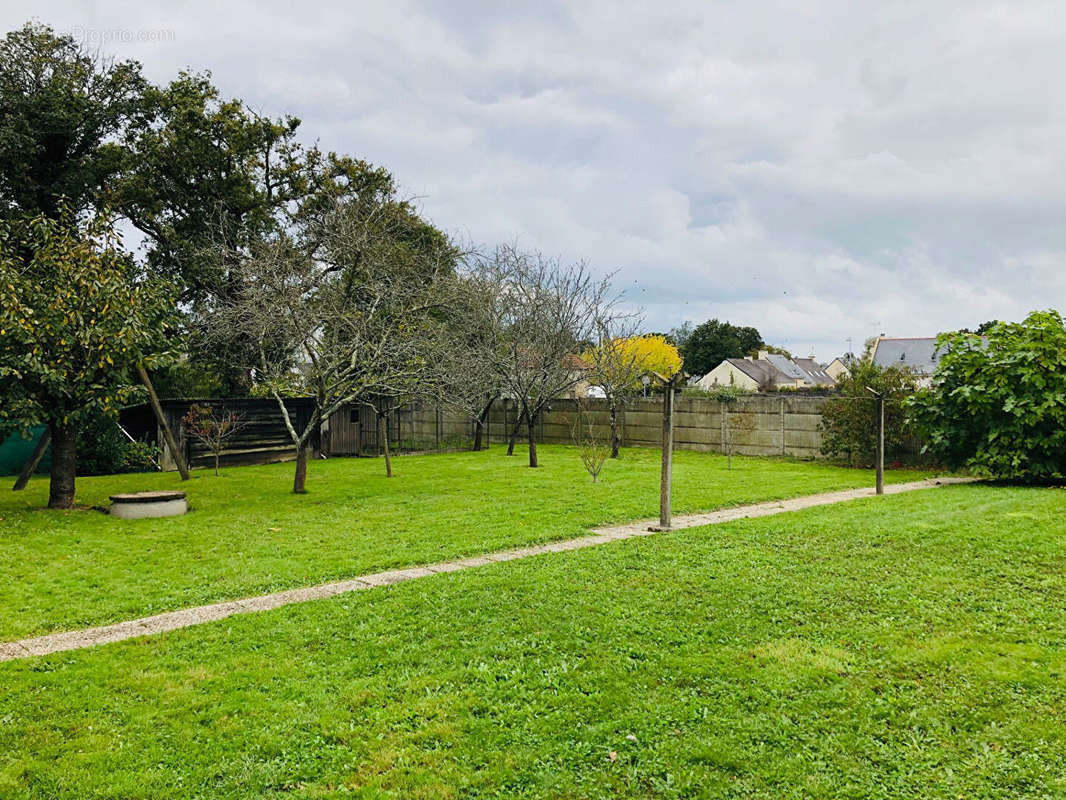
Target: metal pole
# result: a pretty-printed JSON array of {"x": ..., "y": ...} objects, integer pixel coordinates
[{"x": 881, "y": 444}]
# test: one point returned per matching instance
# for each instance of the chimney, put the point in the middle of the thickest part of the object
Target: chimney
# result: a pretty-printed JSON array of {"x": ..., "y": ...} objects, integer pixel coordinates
[{"x": 762, "y": 355}]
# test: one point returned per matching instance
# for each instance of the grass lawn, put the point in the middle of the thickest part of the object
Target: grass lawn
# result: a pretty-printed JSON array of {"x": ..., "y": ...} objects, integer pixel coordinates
[
  {"x": 248, "y": 534},
  {"x": 907, "y": 646}
]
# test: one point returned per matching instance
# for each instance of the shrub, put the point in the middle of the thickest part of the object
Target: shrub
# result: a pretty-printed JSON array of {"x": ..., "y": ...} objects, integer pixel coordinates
[
  {"x": 999, "y": 405},
  {"x": 849, "y": 422},
  {"x": 103, "y": 449}
]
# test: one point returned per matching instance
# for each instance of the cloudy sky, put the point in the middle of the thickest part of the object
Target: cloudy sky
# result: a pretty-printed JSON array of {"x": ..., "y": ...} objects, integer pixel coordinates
[{"x": 837, "y": 171}]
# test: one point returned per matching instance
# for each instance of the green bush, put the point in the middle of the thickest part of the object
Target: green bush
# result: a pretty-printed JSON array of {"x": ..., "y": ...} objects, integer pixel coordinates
[
  {"x": 999, "y": 405},
  {"x": 723, "y": 394},
  {"x": 849, "y": 421},
  {"x": 104, "y": 450}
]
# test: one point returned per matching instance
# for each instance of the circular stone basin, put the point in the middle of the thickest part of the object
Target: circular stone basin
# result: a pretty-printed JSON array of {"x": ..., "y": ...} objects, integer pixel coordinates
[{"x": 140, "y": 505}]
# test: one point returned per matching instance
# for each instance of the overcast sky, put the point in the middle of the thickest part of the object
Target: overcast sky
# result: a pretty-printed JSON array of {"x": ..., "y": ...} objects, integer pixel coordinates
[{"x": 824, "y": 173}]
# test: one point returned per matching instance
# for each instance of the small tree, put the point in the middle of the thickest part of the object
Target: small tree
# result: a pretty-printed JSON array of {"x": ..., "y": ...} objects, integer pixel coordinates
[
  {"x": 592, "y": 447},
  {"x": 76, "y": 320},
  {"x": 734, "y": 425},
  {"x": 618, "y": 363},
  {"x": 849, "y": 420},
  {"x": 999, "y": 405},
  {"x": 213, "y": 428}
]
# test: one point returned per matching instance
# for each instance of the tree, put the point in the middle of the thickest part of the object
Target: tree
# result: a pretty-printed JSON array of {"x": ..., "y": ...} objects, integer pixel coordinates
[
  {"x": 1000, "y": 408},
  {"x": 680, "y": 335},
  {"x": 76, "y": 319},
  {"x": 849, "y": 420},
  {"x": 208, "y": 176},
  {"x": 981, "y": 329},
  {"x": 617, "y": 365},
  {"x": 349, "y": 322},
  {"x": 542, "y": 314},
  {"x": 63, "y": 110},
  {"x": 213, "y": 428},
  {"x": 734, "y": 424},
  {"x": 711, "y": 343},
  {"x": 467, "y": 370},
  {"x": 590, "y": 444}
]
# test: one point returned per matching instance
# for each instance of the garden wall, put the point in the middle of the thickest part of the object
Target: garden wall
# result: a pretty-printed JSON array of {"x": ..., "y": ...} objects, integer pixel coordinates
[{"x": 761, "y": 425}]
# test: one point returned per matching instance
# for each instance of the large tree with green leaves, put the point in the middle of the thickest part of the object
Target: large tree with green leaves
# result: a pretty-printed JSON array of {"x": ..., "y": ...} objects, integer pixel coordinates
[
  {"x": 708, "y": 345},
  {"x": 998, "y": 404},
  {"x": 198, "y": 174},
  {"x": 76, "y": 318},
  {"x": 63, "y": 110}
]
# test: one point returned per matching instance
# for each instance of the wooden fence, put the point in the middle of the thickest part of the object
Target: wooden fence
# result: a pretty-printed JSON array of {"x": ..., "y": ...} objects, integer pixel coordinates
[{"x": 262, "y": 439}]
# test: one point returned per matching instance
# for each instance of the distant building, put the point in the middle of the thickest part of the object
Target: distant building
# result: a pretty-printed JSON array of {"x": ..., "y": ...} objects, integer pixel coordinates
[
  {"x": 839, "y": 368},
  {"x": 815, "y": 371},
  {"x": 918, "y": 355},
  {"x": 767, "y": 371}
]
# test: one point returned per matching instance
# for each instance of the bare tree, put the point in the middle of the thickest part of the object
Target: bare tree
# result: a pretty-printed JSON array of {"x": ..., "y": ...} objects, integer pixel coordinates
[
  {"x": 346, "y": 322},
  {"x": 591, "y": 446},
  {"x": 468, "y": 376},
  {"x": 617, "y": 368},
  {"x": 734, "y": 425},
  {"x": 213, "y": 428},
  {"x": 542, "y": 313}
]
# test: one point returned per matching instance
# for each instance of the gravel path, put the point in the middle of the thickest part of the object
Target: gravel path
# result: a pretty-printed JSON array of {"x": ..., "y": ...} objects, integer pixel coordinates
[{"x": 172, "y": 620}]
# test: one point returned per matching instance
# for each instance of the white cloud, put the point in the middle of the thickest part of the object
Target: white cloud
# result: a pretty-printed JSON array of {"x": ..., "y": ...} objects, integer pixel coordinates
[{"x": 819, "y": 171}]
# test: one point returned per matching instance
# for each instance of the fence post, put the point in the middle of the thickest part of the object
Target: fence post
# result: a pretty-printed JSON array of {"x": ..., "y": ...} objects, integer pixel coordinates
[
  {"x": 782, "y": 426},
  {"x": 721, "y": 419}
]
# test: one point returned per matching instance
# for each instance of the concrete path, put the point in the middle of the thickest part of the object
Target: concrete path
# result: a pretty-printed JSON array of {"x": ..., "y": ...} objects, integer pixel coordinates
[{"x": 172, "y": 620}]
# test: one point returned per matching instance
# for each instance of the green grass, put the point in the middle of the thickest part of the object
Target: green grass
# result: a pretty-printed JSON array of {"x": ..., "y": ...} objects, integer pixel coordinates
[
  {"x": 248, "y": 534},
  {"x": 907, "y": 646}
]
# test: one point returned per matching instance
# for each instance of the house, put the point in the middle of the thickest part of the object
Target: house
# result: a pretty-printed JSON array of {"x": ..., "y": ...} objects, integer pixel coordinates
[
  {"x": 579, "y": 373},
  {"x": 839, "y": 368},
  {"x": 918, "y": 355},
  {"x": 815, "y": 371},
  {"x": 767, "y": 371}
]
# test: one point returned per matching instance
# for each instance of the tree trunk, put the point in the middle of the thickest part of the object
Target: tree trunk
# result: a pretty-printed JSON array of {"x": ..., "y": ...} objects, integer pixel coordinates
[
  {"x": 388, "y": 457},
  {"x": 64, "y": 466},
  {"x": 615, "y": 439},
  {"x": 35, "y": 459},
  {"x": 216, "y": 463},
  {"x": 479, "y": 427},
  {"x": 514, "y": 432},
  {"x": 168, "y": 435},
  {"x": 531, "y": 421},
  {"x": 299, "y": 482}
]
